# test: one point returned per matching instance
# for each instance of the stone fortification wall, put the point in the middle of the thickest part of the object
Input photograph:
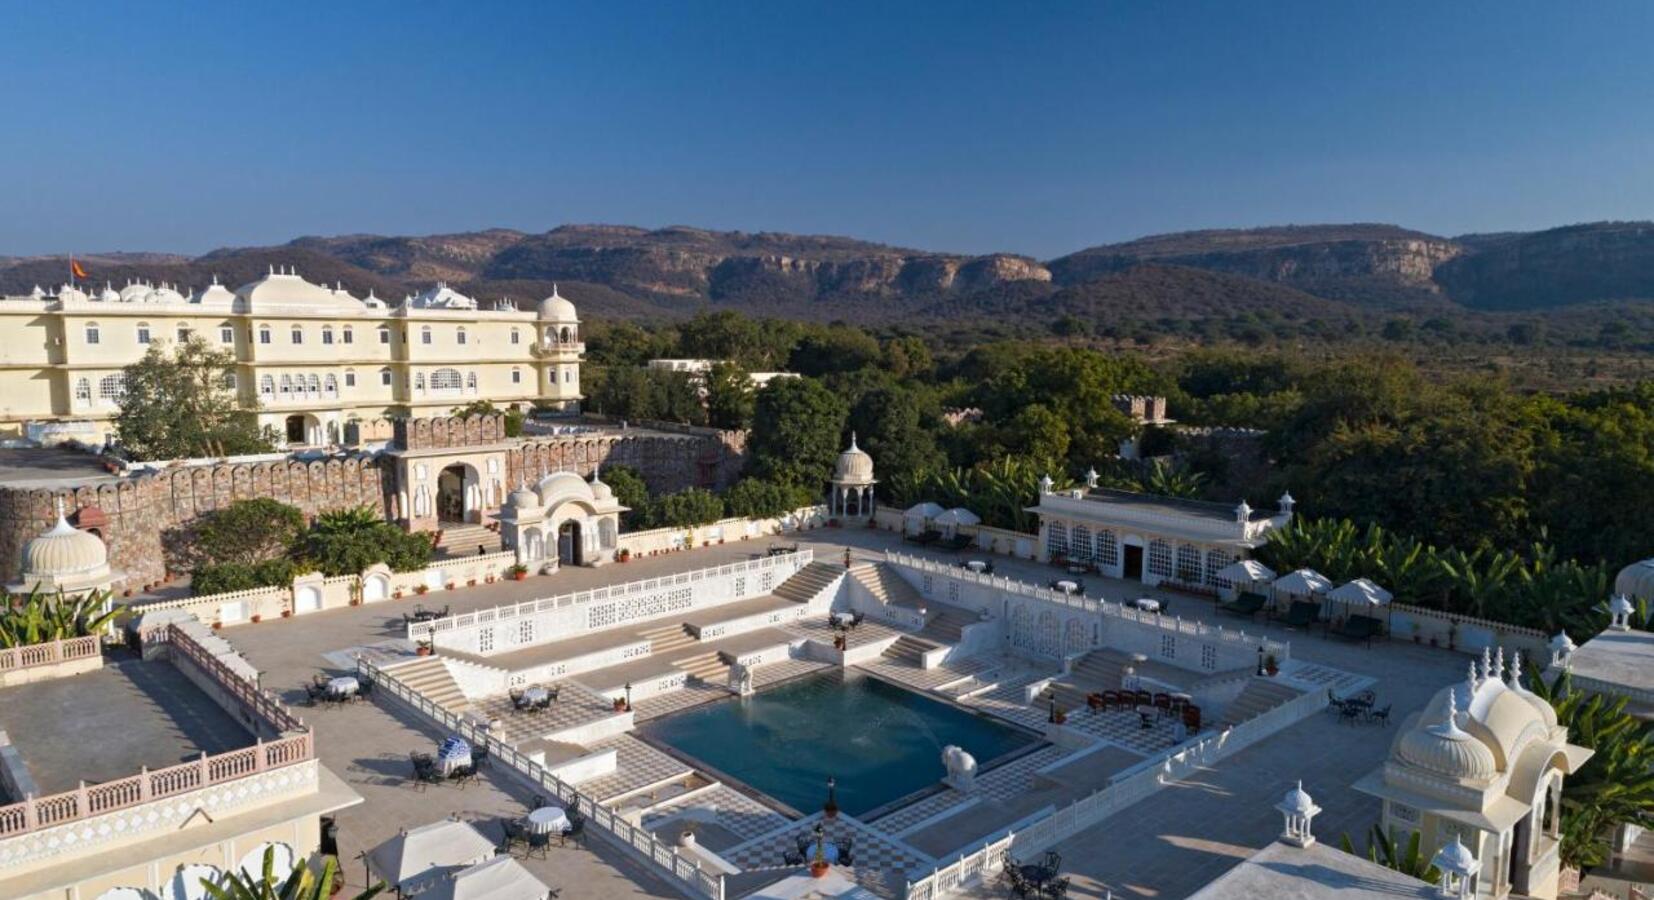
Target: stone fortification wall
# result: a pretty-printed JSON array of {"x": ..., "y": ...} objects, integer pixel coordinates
[
  {"x": 144, "y": 515},
  {"x": 442, "y": 433},
  {"x": 668, "y": 462}
]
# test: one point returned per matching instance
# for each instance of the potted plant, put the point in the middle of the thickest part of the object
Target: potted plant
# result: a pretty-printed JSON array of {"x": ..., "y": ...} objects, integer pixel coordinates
[
  {"x": 1060, "y": 716},
  {"x": 423, "y": 648},
  {"x": 620, "y": 704},
  {"x": 519, "y": 572},
  {"x": 257, "y": 618},
  {"x": 625, "y": 554},
  {"x": 287, "y": 614},
  {"x": 422, "y": 589},
  {"x": 452, "y": 585},
  {"x": 1271, "y": 666}
]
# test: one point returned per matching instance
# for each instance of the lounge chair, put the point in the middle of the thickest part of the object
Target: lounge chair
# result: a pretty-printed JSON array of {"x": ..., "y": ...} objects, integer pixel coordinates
[
  {"x": 1247, "y": 604},
  {"x": 1302, "y": 614}
]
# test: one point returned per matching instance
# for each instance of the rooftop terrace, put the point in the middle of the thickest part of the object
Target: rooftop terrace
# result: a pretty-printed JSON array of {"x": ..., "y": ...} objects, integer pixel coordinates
[{"x": 104, "y": 725}]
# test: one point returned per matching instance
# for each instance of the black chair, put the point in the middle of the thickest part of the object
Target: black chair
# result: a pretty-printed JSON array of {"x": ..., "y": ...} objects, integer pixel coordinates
[
  {"x": 1019, "y": 885},
  {"x": 552, "y": 694},
  {"x": 479, "y": 757},
  {"x": 314, "y": 692},
  {"x": 847, "y": 852},
  {"x": 803, "y": 844},
  {"x": 577, "y": 827},
  {"x": 544, "y": 703},
  {"x": 426, "y": 774},
  {"x": 1056, "y": 888},
  {"x": 515, "y": 834},
  {"x": 461, "y": 774},
  {"x": 516, "y": 695},
  {"x": 856, "y": 618},
  {"x": 364, "y": 688},
  {"x": 791, "y": 858},
  {"x": 1052, "y": 862},
  {"x": 1380, "y": 716},
  {"x": 540, "y": 842}
]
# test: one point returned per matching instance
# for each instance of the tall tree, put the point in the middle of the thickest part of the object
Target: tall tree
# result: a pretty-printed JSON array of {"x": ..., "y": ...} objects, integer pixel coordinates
[
  {"x": 181, "y": 404},
  {"x": 728, "y": 396},
  {"x": 796, "y": 424},
  {"x": 888, "y": 426}
]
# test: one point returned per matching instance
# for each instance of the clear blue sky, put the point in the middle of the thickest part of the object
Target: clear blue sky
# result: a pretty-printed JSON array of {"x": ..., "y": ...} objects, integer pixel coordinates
[{"x": 1037, "y": 128}]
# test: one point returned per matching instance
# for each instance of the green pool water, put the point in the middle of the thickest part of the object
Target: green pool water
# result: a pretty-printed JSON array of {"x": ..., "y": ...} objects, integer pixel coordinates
[{"x": 880, "y": 741}]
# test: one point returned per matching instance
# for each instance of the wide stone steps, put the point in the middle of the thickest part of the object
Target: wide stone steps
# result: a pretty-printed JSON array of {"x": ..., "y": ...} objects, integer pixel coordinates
[
  {"x": 945, "y": 625},
  {"x": 463, "y": 540},
  {"x": 1258, "y": 697},
  {"x": 667, "y": 638},
  {"x": 909, "y": 649},
  {"x": 887, "y": 586},
  {"x": 709, "y": 667},
  {"x": 808, "y": 582},
  {"x": 430, "y": 677},
  {"x": 1098, "y": 671}
]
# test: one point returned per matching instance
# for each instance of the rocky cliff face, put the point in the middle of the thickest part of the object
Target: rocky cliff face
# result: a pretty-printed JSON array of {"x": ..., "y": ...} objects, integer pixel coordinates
[
  {"x": 1364, "y": 263},
  {"x": 1562, "y": 266}
]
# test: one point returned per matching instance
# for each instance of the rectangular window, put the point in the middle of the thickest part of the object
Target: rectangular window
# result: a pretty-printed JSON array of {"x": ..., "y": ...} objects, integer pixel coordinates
[
  {"x": 462, "y": 336},
  {"x": 350, "y": 336},
  {"x": 183, "y": 334},
  {"x": 226, "y": 335},
  {"x": 143, "y": 335},
  {"x": 385, "y": 378},
  {"x": 91, "y": 335},
  {"x": 298, "y": 336},
  {"x": 327, "y": 336},
  {"x": 384, "y": 335},
  {"x": 264, "y": 336},
  {"x": 515, "y": 337},
  {"x": 350, "y": 379},
  {"x": 516, "y": 377}
]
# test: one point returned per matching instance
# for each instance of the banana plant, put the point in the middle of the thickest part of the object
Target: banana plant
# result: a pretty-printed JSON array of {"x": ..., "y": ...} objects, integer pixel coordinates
[
  {"x": 1408, "y": 860},
  {"x": 38, "y": 617},
  {"x": 300, "y": 884}
]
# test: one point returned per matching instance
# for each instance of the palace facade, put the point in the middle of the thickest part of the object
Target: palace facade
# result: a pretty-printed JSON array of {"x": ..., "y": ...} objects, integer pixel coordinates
[{"x": 322, "y": 366}]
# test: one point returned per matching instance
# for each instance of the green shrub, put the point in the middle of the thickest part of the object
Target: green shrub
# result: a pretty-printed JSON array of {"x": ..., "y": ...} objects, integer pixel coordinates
[{"x": 694, "y": 506}]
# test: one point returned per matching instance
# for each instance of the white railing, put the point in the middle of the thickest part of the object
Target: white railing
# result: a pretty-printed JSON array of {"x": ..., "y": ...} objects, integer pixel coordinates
[
  {"x": 24, "y": 657},
  {"x": 1120, "y": 610},
  {"x": 679, "y": 871},
  {"x": 424, "y": 631},
  {"x": 1050, "y": 827}
]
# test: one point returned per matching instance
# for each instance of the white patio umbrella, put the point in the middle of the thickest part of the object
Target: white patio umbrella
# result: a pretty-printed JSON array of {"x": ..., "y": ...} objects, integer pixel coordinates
[
  {"x": 501, "y": 878},
  {"x": 1246, "y": 570},
  {"x": 417, "y": 859},
  {"x": 1305, "y": 583},
  {"x": 1360, "y": 592},
  {"x": 187, "y": 882}
]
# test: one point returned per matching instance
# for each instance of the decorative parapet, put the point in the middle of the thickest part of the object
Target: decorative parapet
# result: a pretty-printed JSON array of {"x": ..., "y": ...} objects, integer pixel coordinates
[{"x": 15, "y": 658}]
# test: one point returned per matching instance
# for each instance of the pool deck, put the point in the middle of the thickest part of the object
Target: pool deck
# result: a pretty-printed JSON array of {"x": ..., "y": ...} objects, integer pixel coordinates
[{"x": 1166, "y": 847}]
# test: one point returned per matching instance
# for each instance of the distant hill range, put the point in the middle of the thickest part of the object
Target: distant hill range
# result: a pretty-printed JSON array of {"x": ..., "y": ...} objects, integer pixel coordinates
[{"x": 1296, "y": 271}]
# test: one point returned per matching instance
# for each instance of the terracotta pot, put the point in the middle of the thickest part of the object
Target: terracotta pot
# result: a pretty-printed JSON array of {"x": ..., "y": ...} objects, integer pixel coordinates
[
  {"x": 257, "y": 619},
  {"x": 422, "y": 651},
  {"x": 519, "y": 575},
  {"x": 287, "y": 614},
  {"x": 819, "y": 869}
]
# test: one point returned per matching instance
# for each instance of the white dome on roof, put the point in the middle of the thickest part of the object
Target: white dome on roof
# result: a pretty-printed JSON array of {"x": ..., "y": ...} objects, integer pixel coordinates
[
  {"x": 441, "y": 296},
  {"x": 1636, "y": 580},
  {"x": 217, "y": 293},
  {"x": 64, "y": 552},
  {"x": 1297, "y": 801},
  {"x": 522, "y": 498},
  {"x": 1456, "y": 858},
  {"x": 70, "y": 292},
  {"x": 600, "y": 490},
  {"x": 109, "y": 294},
  {"x": 134, "y": 292},
  {"x": 854, "y": 466},
  {"x": 557, "y": 308},
  {"x": 164, "y": 294},
  {"x": 1446, "y": 749},
  {"x": 1547, "y": 713}
]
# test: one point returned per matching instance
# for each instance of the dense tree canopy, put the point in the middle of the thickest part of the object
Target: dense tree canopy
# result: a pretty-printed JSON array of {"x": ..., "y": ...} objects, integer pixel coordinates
[
  {"x": 797, "y": 424},
  {"x": 181, "y": 403}
]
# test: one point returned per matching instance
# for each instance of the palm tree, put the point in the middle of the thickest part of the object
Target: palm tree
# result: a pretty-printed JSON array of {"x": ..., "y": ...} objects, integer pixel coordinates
[
  {"x": 1613, "y": 788},
  {"x": 300, "y": 884},
  {"x": 1170, "y": 480},
  {"x": 38, "y": 617},
  {"x": 1409, "y": 860}
]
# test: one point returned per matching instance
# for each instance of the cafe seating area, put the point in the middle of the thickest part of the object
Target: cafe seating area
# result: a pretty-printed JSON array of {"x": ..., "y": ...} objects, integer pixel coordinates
[
  {"x": 329, "y": 691},
  {"x": 1038, "y": 878},
  {"x": 1359, "y": 708}
]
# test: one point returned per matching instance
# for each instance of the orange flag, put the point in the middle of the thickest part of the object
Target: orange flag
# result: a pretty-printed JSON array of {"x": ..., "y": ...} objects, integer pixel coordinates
[{"x": 75, "y": 269}]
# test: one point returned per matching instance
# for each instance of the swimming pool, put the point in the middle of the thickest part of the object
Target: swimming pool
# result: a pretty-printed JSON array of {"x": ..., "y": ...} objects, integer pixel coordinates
[{"x": 879, "y": 741}]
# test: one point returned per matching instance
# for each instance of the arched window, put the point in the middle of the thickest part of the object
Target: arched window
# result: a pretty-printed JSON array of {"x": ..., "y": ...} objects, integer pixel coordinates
[
  {"x": 1056, "y": 539},
  {"x": 516, "y": 338},
  {"x": 92, "y": 333},
  {"x": 384, "y": 335},
  {"x": 459, "y": 336},
  {"x": 315, "y": 384},
  {"x": 286, "y": 384},
  {"x": 471, "y": 381},
  {"x": 143, "y": 332},
  {"x": 385, "y": 377},
  {"x": 1188, "y": 564},
  {"x": 425, "y": 334},
  {"x": 330, "y": 385},
  {"x": 298, "y": 334},
  {"x": 226, "y": 333},
  {"x": 183, "y": 334},
  {"x": 83, "y": 390},
  {"x": 565, "y": 334},
  {"x": 1080, "y": 542},
  {"x": 228, "y": 381},
  {"x": 327, "y": 334},
  {"x": 1160, "y": 558},
  {"x": 445, "y": 380},
  {"x": 264, "y": 334},
  {"x": 348, "y": 335},
  {"x": 111, "y": 388},
  {"x": 350, "y": 378},
  {"x": 419, "y": 381},
  {"x": 266, "y": 386},
  {"x": 1108, "y": 549}
]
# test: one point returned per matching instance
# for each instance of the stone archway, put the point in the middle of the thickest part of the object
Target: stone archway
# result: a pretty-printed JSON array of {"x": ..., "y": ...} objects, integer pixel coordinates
[{"x": 458, "y": 494}]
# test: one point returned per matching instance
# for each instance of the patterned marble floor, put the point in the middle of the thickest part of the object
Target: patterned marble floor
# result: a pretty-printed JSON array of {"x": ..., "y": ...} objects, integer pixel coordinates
[
  {"x": 873, "y": 849},
  {"x": 743, "y": 816},
  {"x": 906, "y": 673},
  {"x": 999, "y": 783},
  {"x": 637, "y": 765}
]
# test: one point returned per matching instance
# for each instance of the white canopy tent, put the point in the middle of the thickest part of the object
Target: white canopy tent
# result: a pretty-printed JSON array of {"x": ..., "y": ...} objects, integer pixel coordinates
[
  {"x": 918, "y": 517},
  {"x": 1360, "y": 594},
  {"x": 416, "y": 860},
  {"x": 501, "y": 878},
  {"x": 1246, "y": 571},
  {"x": 1300, "y": 584},
  {"x": 949, "y": 522}
]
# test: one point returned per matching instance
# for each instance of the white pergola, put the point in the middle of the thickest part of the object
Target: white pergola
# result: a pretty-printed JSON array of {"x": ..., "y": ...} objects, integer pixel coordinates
[
  {"x": 417, "y": 860},
  {"x": 950, "y": 520},
  {"x": 924, "y": 513}
]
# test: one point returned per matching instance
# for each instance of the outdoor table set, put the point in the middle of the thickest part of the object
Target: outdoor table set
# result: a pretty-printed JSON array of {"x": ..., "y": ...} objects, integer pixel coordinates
[
  {"x": 546, "y": 820},
  {"x": 1036, "y": 879},
  {"x": 328, "y": 691},
  {"x": 1358, "y": 708},
  {"x": 533, "y": 699}
]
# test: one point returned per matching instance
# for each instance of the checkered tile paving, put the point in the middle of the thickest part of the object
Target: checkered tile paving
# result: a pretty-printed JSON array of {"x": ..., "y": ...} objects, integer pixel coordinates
[
  {"x": 1124, "y": 728},
  {"x": 1000, "y": 783},
  {"x": 636, "y": 765},
  {"x": 1313, "y": 676},
  {"x": 741, "y": 815},
  {"x": 783, "y": 670},
  {"x": 691, "y": 694},
  {"x": 905, "y": 672},
  {"x": 381, "y": 653},
  {"x": 816, "y": 628},
  {"x": 873, "y": 850}
]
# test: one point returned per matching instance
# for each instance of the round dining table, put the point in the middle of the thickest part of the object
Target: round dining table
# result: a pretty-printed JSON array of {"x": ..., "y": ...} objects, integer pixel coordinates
[
  {"x": 343, "y": 686},
  {"x": 1068, "y": 587},
  {"x": 1146, "y": 604},
  {"x": 548, "y": 820},
  {"x": 976, "y": 565},
  {"x": 535, "y": 694}
]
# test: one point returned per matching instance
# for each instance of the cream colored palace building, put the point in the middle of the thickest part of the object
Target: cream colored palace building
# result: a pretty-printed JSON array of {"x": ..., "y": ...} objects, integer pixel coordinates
[{"x": 322, "y": 366}]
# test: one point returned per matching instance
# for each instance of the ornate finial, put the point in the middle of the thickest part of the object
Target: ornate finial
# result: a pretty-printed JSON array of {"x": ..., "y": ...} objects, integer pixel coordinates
[
  {"x": 853, "y": 441},
  {"x": 1472, "y": 680},
  {"x": 1487, "y": 663},
  {"x": 1499, "y": 663},
  {"x": 1516, "y": 670}
]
